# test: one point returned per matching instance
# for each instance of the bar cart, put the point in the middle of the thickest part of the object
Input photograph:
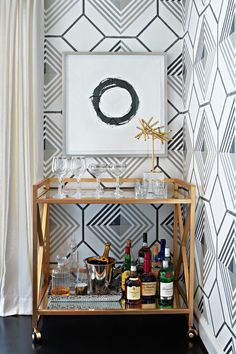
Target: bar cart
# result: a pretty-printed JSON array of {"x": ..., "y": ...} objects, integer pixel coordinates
[{"x": 180, "y": 194}]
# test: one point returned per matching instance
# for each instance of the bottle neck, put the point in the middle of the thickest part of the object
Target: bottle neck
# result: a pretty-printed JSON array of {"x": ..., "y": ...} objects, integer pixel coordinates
[
  {"x": 147, "y": 266},
  {"x": 145, "y": 244},
  {"x": 106, "y": 250},
  {"x": 165, "y": 264},
  {"x": 127, "y": 258}
]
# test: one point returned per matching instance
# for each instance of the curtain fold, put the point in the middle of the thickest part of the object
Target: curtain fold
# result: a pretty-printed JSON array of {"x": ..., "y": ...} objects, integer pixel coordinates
[{"x": 21, "y": 146}]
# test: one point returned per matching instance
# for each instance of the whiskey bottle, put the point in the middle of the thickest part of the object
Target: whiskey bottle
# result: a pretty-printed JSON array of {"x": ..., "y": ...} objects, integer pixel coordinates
[
  {"x": 125, "y": 269},
  {"x": 166, "y": 286},
  {"x": 148, "y": 282},
  {"x": 133, "y": 288},
  {"x": 144, "y": 249},
  {"x": 61, "y": 278}
]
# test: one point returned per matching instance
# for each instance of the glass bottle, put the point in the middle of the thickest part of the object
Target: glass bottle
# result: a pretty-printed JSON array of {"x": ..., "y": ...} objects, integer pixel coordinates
[
  {"x": 161, "y": 254},
  {"x": 61, "y": 278},
  {"x": 148, "y": 282},
  {"x": 125, "y": 269},
  {"x": 105, "y": 255},
  {"x": 133, "y": 288},
  {"x": 144, "y": 249},
  {"x": 168, "y": 258},
  {"x": 166, "y": 286},
  {"x": 73, "y": 265},
  {"x": 129, "y": 244}
]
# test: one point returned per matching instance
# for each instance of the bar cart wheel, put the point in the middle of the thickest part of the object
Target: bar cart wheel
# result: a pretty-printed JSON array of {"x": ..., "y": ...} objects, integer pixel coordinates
[
  {"x": 192, "y": 333},
  {"x": 36, "y": 336}
]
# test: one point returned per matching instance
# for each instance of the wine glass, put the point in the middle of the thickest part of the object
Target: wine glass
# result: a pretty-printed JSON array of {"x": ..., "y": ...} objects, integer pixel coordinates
[
  {"x": 97, "y": 169},
  {"x": 78, "y": 168},
  {"x": 117, "y": 169},
  {"x": 60, "y": 167}
]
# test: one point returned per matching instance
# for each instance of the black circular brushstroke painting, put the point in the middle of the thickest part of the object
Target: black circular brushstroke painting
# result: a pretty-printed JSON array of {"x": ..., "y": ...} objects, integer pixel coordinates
[{"x": 109, "y": 84}]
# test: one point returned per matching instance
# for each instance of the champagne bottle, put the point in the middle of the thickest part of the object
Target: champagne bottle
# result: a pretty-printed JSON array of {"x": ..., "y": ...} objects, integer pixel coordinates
[{"x": 125, "y": 269}]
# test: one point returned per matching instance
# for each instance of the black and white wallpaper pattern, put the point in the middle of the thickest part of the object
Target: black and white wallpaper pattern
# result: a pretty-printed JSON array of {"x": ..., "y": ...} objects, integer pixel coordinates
[
  {"x": 112, "y": 26},
  {"x": 209, "y": 62},
  {"x": 199, "y": 39}
]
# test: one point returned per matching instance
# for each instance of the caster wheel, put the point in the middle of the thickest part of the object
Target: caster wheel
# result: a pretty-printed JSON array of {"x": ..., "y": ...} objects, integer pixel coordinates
[
  {"x": 36, "y": 336},
  {"x": 192, "y": 333}
]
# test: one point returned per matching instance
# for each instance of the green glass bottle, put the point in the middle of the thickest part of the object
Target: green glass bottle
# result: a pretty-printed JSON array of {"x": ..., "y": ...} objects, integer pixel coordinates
[
  {"x": 125, "y": 269},
  {"x": 166, "y": 286}
]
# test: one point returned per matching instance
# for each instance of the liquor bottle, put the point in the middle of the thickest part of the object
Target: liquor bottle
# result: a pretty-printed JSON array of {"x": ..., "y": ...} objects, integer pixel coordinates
[
  {"x": 61, "y": 278},
  {"x": 148, "y": 282},
  {"x": 144, "y": 249},
  {"x": 129, "y": 244},
  {"x": 133, "y": 288},
  {"x": 166, "y": 286},
  {"x": 125, "y": 269},
  {"x": 168, "y": 258},
  {"x": 161, "y": 254}
]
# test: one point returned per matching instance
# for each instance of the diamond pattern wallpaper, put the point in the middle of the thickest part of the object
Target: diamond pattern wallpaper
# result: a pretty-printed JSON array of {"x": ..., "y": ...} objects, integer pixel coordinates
[
  {"x": 209, "y": 92},
  {"x": 200, "y": 41},
  {"x": 111, "y": 26}
]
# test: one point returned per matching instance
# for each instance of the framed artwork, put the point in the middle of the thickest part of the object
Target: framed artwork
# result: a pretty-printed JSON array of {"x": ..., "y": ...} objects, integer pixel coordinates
[{"x": 105, "y": 95}]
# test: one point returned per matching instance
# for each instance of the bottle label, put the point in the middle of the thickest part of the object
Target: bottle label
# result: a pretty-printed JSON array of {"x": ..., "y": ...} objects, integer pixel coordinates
[
  {"x": 149, "y": 289},
  {"x": 166, "y": 290},
  {"x": 140, "y": 260},
  {"x": 124, "y": 276},
  {"x": 133, "y": 293}
]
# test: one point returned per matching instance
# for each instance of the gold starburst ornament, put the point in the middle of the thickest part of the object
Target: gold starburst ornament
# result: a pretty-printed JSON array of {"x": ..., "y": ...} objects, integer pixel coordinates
[{"x": 152, "y": 130}]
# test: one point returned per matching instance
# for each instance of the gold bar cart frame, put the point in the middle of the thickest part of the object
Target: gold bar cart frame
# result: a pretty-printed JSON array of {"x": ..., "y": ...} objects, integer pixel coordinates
[{"x": 183, "y": 248}]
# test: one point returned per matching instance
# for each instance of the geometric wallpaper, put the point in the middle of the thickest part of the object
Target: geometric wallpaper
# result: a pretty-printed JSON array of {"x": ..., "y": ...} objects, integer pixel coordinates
[
  {"x": 200, "y": 41},
  {"x": 112, "y": 26},
  {"x": 209, "y": 96}
]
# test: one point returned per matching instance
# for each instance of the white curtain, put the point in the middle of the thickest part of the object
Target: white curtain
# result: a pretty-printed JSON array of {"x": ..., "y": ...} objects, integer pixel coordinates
[{"x": 21, "y": 146}]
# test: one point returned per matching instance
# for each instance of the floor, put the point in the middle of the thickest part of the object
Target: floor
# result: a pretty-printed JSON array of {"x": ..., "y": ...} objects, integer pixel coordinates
[{"x": 94, "y": 334}]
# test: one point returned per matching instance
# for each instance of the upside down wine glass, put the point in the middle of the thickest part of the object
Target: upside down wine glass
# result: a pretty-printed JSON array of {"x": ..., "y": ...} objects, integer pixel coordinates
[
  {"x": 117, "y": 169},
  {"x": 78, "y": 168},
  {"x": 97, "y": 169},
  {"x": 60, "y": 167}
]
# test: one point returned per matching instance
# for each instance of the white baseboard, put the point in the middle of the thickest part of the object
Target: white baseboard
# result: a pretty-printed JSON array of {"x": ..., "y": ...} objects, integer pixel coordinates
[{"x": 209, "y": 340}]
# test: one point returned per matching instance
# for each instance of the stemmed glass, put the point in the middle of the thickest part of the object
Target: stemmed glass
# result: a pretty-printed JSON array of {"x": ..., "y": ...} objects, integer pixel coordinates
[
  {"x": 78, "y": 168},
  {"x": 97, "y": 169},
  {"x": 60, "y": 167},
  {"x": 117, "y": 169}
]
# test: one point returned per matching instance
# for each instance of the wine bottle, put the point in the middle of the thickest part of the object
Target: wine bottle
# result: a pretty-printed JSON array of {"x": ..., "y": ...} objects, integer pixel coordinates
[
  {"x": 144, "y": 249},
  {"x": 129, "y": 244},
  {"x": 125, "y": 270},
  {"x": 148, "y": 281}
]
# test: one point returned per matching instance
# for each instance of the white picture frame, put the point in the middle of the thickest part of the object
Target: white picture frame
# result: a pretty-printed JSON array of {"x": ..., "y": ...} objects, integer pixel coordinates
[{"x": 105, "y": 95}]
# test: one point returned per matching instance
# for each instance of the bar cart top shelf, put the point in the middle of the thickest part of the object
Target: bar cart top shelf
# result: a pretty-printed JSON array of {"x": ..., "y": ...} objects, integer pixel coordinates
[{"x": 178, "y": 192}]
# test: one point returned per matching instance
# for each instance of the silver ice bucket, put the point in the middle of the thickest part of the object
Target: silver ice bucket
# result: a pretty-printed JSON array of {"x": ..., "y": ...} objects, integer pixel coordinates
[{"x": 99, "y": 274}]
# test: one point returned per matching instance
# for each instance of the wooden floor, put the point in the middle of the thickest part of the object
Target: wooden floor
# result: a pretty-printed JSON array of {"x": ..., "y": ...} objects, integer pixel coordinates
[{"x": 99, "y": 334}]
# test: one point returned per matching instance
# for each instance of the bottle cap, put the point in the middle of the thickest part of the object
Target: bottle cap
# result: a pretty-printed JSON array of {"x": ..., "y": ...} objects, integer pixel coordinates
[
  {"x": 127, "y": 250},
  {"x": 129, "y": 243},
  {"x": 167, "y": 252}
]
